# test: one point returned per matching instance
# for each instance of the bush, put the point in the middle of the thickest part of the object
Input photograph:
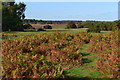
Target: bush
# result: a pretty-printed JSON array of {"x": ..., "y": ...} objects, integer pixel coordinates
[
  {"x": 117, "y": 24},
  {"x": 94, "y": 29},
  {"x": 71, "y": 24},
  {"x": 32, "y": 28},
  {"x": 47, "y": 27},
  {"x": 27, "y": 26},
  {"x": 80, "y": 25},
  {"x": 40, "y": 29}
]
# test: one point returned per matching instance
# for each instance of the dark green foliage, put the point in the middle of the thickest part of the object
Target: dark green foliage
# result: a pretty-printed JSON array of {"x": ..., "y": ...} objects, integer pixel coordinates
[
  {"x": 12, "y": 15},
  {"x": 80, "y": 25},
  {"x": 94, "y": 29},
  {"x": 40, "y": 29},
  {"x": 117, "y": 24},
  {"x": 88, "y": 24},
  {"x": 27, "y": 26},
  {"x": 71, "y": 24},
  {"x": 32, "y": 28},
  {"x": 47, "y": 27},
  {"x": 46, "y": 22}
]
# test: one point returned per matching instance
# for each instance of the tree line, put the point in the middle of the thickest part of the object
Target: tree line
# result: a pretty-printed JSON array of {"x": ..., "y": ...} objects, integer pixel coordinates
[
  {"x": 34, "y": 21},
  {"x": 104, "y": 25},
  {"x": 95, "y": 26}
]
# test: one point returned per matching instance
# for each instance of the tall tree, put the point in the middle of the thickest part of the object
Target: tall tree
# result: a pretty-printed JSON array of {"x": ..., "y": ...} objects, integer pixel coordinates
[{"x": 12, "y": 15}]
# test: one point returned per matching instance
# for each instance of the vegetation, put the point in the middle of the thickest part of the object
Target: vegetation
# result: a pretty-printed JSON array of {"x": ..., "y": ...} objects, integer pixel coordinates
[
  {"x": 85, "y": 49},
  {"x": 107, "y": 46},
  {"x": 39, "y": 56},
  {"x": 27, "y": 26},
  {"x": 103, "y": 25},
  {"x": 12, "y": 15},
  {"x": 13, "y": 20},
  {"x": 42, "y": 55},
  {"x": 118, "y": 24},
  {"x": 40, "y": 29},
  {"x": 94, "y": 29},
  {"x": 80, "y": 25},
  {"x": 47, "y": 27},
  {"x": 71, "y": 24}
]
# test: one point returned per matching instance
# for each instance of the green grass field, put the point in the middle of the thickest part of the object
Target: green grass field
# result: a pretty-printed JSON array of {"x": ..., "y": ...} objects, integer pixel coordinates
[{"x": 20, "y": 34}]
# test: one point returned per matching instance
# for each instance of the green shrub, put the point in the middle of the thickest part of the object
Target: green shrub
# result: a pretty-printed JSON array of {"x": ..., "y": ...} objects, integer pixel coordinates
[
  {"x": 95, "y": 29},
  {"x": 80, "y": 25},
  {"x": 32, "y": 28},
  {"x": 40, "y": 29},
  {"x": 117, "y": 24},
  {"x": 71, "y": 24},
  {"x": 27, "y": 26},
  {"x": 47, "y": 27}
]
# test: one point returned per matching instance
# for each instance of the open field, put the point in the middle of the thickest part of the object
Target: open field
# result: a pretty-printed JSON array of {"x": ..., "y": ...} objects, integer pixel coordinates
[
  {"x": 19, "y": 33},
  {"x": 54, "y": 26}
]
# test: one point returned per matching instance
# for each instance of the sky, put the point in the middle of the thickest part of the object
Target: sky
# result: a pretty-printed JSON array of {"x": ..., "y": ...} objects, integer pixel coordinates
[
  {"x": 99, "y": 11},
  {"x": 66, "y": 0}
]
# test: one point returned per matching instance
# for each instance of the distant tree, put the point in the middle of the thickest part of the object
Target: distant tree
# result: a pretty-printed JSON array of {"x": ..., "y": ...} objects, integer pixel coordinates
[
  {"x": 87, "y": 24},
  {"x": 27, "y": 26},
  {"x": 95, "y": 28},
  {"x": 80, "y": 25},
  {"x": 71, "y": 24},
  {"x": 49, "y": 22},
  {"x": 40, "y": 29},
  {"x": 117, "y": 24},
  {"x": 47, "y": 27}
]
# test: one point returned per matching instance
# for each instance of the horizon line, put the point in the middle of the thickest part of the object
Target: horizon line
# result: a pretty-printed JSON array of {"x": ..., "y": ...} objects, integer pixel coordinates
[{"x": 68, "y": 20}]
